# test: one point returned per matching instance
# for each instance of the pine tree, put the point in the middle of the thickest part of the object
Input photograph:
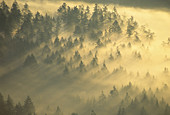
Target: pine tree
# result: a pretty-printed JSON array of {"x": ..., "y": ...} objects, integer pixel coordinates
[
  {"x": 4, "y": 14},
  {"x": 104, "y": 67},
  {"x": 5, "y": 8},
  {"x": 81, "y": 66},
  {"x": 114, "y": 91},
  {"x": 115, "y": 27},
  {"x": 111, "y": 57},
  {"x": 10, "y": 106},
  {"x": 66, "y": 70},
  {"x": 15, "y": 15},
  {"x": 118, "y": 54},
  {"x": 102, "y": 98},
  {"x": 28, "y": 106},
  {"x": 30, "y": 60},
  {"x": 19, "y": 109},
  {"x": 94, "y": 62},
  {"x": 77, "y": 56},
  {"x": 58, "y": 111},
  {"x": 2, "y": 105},
  {"x": 26, "y": 31},
  {"x": 121, "y": 111},
  {"x": 57, "y": 42}
]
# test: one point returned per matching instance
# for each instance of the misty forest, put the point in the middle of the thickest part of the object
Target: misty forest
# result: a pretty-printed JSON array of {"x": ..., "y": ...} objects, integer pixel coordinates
[{"x": 84, "y": 58}]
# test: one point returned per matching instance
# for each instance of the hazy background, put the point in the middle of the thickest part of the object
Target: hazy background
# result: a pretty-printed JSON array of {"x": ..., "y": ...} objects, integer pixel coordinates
[{"x": 49, "y": 90}]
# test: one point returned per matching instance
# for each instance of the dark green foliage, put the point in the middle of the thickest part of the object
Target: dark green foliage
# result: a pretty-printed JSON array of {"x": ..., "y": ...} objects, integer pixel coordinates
[{"x": 8, "y": 108}]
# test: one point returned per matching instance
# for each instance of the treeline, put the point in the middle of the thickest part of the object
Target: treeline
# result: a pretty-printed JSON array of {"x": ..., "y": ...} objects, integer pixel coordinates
[
  {"x": 7, "y": 107},
  {"x": 128, "y": 100}
]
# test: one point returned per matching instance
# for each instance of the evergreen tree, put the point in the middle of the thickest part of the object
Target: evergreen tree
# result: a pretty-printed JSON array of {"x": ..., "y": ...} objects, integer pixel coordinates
[
  {"x": 77, "y": 56},
  {"x": 58, "y": 111},
  {"x": 57, "y": 42},
  {"x": 19, "y": 109},
  {"x": 66, "y": 70},
  {"x": 28, "y": 106},
  {"x": 118, "y": 54},
  {"x": 10, "y": 106},
  {"x": 30, "y": 60},
  {"x": 115, "y": 27},
  {"x": 102, "y": 98},
  {"x": 111, "y": 57},
  {"x": 121, "y": 111},
  {"x": 4, "y": 14},
  {"x": 15, "y": 15},
  {"x": 94, "y": 61},
  {"x": 114, "y": 91},
  {"x": 5, "y": 8},
  {"x": 104, "y": 68},
  {"x": 81, "y": 66},
  {"x": 2, "y": 105},
  {"x": 132, "y": 25},
  {"x": 26, "y": 30}
]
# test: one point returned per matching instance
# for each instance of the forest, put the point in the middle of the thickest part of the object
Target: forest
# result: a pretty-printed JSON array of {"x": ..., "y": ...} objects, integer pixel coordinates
[{"x": 82, "y": 60}]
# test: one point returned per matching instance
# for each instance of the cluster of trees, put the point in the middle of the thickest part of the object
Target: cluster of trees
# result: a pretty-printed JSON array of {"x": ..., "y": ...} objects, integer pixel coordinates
[
  {"x": 128, "y": 100},
  {"x": 85, "y": 22},
  {"x": 22, "y": 31},
  {"x": 7, "y": 107}
]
